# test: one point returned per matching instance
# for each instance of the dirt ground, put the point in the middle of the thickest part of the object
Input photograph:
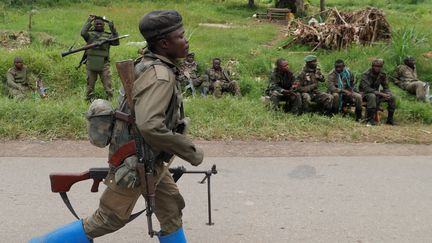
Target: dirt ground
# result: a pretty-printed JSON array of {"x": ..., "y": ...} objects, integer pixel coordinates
[{"x": 68, "y": 148}]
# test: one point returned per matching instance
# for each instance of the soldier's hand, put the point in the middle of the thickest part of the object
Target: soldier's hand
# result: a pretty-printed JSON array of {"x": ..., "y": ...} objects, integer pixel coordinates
[
  {"x": 198, "y": 158},
  {"x": 111, "y": 24}
]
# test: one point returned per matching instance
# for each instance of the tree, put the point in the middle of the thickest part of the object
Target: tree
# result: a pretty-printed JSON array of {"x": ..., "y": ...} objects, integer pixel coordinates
[{"x": 251, "y": 4}]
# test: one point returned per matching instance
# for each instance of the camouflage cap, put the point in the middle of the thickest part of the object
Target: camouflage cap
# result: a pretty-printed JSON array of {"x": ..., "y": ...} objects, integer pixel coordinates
[
  {"x": 191, "y": 54},
  {"x": 159, "y": 22},
  {"x": 310, "y": 58},
  {"x": 378, "y": 62},
  {"x": 409, "y": 58}
]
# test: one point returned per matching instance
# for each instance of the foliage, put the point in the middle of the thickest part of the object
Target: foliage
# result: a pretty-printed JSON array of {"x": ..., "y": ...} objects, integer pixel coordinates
[{"x": 254, "y": 45}]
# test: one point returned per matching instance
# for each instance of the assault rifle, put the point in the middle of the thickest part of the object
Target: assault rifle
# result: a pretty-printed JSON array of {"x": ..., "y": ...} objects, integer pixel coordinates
[
  {"x": 62, "y": 183},
  {"x": 93, "y": 45}
]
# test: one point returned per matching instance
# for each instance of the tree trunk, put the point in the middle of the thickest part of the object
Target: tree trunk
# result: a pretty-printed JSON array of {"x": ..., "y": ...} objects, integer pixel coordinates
[
  {"x": 251, "y": 4},
  {"x": 322, "y": 9}
]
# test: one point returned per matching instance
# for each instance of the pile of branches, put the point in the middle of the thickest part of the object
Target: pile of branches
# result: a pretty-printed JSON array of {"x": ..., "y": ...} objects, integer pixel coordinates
[
  {"x": 14, "y": 40},
  {"x": 341, "y": 29}
]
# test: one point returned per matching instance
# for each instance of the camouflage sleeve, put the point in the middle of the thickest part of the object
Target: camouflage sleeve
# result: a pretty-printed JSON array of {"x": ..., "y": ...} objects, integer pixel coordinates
[
  {"x": 384, "y": 84},
  {"x": 114, "y": 34},
  {"x": 365, "y": 85},
  {"x": 319, "y": 76},
  {"x": 352, "y": 80},
  {"x": 10, "y": 80},
  {"x": 404, "y": 74},
  {"x": 332, "y": 86},
  {"x": 85, "y": 29},
  {"x": 152, "y": 94},
  {"x": 273, "y": 83}
]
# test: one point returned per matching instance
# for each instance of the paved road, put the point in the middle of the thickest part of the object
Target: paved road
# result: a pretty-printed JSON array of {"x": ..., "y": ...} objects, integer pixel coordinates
[{"x": 267, "y": 199}]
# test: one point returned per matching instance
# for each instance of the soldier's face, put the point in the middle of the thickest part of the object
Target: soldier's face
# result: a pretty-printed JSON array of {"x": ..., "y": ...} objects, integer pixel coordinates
[
  {"x": 377, "y": 68},
  {"x": 19, "y": 65},
  {"x": 176, "y": 44},
  {"x": 411, "y": 63},
  {"x": 339, "y": 67},
  {"x": 312, "y": 64},
  {"x": 216, "y": 64},
  {"x": 99, "y": 25},
  {"x": 189, "y": 58},
  {"x": 284, "y": 67}
]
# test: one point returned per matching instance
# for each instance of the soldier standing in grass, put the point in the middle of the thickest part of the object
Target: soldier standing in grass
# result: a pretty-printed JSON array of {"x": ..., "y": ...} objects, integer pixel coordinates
[
  {"x": 97, "y": 59},
  {"x": 341, "y": 86},
  {"x": 406, "y": 79},
  {"x": 282, "y": 87},
  {"x": 18, "y": 80},
  {"x": 158, "y": 117},
  {"x": 220, "y": 81},
  {"x": 371, "y": 83},
  {"x": 309, "y": 79}
]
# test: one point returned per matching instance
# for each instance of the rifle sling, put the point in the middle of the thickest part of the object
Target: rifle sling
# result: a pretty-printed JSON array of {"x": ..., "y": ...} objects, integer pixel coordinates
[{"x": 68, "y": 204}]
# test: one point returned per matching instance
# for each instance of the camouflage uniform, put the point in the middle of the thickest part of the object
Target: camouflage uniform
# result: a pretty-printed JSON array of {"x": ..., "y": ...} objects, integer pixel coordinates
[
  {"x": 18, "y": 82},
  {"x": 278, "y": 83},
  {"x": 220, "y": 82},
  {"x": 344, "y": 81},
  {"x": 406, "y": 79},
  {"x": 308, "y": 80},
  {"x": 98, "y": 62},
  {"x": 370, "y": 86},
  {"x": 189, "y": 71}
]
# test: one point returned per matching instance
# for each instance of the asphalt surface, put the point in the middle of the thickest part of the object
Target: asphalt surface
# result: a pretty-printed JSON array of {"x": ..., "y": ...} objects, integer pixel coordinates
[{"x": 255, "y": 199}]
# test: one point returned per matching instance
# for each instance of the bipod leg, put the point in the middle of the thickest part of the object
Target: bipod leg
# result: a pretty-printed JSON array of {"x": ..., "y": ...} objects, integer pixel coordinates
[{"x": 207, "y": 177}]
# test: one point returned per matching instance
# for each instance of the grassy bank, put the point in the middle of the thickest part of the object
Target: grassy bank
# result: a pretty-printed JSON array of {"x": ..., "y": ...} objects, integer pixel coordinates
[{"x": 254, "y": 45}]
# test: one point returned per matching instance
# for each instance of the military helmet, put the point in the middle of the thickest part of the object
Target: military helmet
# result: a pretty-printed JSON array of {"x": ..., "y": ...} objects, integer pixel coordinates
[{"x": 100, "y": 122}]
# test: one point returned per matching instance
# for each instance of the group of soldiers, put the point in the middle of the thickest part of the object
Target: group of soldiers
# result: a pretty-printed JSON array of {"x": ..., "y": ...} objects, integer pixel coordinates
[
  {"x": 298, "y": 92},
  {"x": 216, "y": 79}
]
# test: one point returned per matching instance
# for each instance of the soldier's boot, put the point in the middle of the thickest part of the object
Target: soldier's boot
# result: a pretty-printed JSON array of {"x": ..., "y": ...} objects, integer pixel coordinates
[
  {"x": 390, "y": 119},
  {"x": 358, "y": 115},
  {"x": 70, "y": 233},
  {"x": 370, "y": 117},
  {"x": 175, "y": 237}
]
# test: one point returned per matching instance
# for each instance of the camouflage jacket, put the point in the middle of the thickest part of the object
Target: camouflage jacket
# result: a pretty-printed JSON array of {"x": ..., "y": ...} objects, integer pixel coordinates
[
  {"x": 370, "y": 82},
  {"x": 405, "y": 75},
  {"x": 190, "y": 69},
  {"x": 18, "y": 79},
  {"x": 91, "y": 36},
  {"x": 218, "y": 75},
  {"x": 308, "y": 80},
  {"x": 280, "y": 81},
  {"x": 348, "y": 81}
]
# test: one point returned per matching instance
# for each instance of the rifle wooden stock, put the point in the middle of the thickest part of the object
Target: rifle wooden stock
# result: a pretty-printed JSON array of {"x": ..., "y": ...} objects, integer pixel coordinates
[
  {"x": 126, "y": 71},
  {"x": 62, "y": 182}
]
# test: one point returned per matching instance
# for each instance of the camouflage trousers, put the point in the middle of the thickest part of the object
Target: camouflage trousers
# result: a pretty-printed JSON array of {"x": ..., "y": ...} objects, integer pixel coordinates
[
  {"x": 323, "y": 99},
  {"x": 117, "y": 202},
  {"x": 373, "y": 102},
  {"x": 105, "y": 77},
  {"x": 356, "y": 100},
  {"x": 417, "y": 88},
  {"x": 18, "y": 93},
  {"x": 220, "y": 87},
  {"x": 292, "y": 103}
]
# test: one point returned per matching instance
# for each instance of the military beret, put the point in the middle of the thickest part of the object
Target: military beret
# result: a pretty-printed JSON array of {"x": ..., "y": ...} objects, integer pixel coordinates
[
  {"x": 159, "y": 23},
  {"x": 409, "y": 58},
  {"x": 191, "y": 54},
  {"x": 378, "y": 62},
  {"x": 310, "y": 58}
]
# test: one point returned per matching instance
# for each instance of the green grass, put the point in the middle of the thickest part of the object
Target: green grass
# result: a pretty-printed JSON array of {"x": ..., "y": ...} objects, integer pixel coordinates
[{"x": 60, "y": 116}]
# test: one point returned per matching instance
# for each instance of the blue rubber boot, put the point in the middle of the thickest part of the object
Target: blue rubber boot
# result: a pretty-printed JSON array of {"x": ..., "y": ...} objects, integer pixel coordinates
[
  {"x": 70, "y": 233},
  {"x": 175, "y": 237}
]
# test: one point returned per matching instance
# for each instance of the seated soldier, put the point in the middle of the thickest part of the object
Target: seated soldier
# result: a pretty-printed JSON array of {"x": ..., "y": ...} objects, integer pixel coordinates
[
  {"x": 220, "y": 81},
  {"x": 282, "y": 88},
  {"x": 308, "y": 86},
  {"x": 370, "y": 84},
  {"x": 19, "y": 80},
  {"x": 406, "y": 79},
  {"x": 189, "y": 76},
  {"x": 341, "y": 87}
]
